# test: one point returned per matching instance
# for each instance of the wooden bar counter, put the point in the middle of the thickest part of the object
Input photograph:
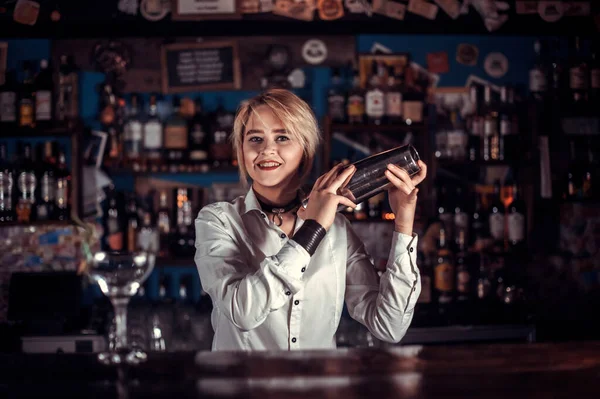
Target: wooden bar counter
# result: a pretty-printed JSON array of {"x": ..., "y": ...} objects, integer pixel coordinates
[{"x": 564, "y": 370}]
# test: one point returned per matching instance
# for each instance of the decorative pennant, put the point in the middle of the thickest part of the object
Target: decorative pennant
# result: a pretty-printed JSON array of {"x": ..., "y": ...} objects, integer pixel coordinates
[
  {"x": 423, "y": 8},
  {"x": 26, "y": 12},
  {"x": 467, "y": 54},
  {"x": 391, "y": 9},
  {"x": 438, "y": 62},
  {"x": 450, "y": 7},
  {"x": 527, "y": 7},
  {"x": 330, "y": 9}
]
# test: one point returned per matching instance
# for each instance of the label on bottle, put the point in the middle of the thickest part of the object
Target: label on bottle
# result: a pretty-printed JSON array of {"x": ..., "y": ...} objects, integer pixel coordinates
[
  {"x": 488, "y": 127},
  {"x": 484, "y": 288},
  {"x": 148, "y": 240},
  {"x": 153, "y": 139},
  {"x": 47, "y": 187},
  {"x": 6, "y": 185},
  {"x": 27, "y": 183},
  {"x": 43, "y": 105},
  {"x": 463, "y": 278},
  {"x": 61, "y": 193},
  {"x": 336, "y": 107},
  {"x": 42, "y": 211},
  {"x": 578, "y": 79},
  {"x": 537, "y": 81},
  {"x": 26, "y": 112},
  {"x": 176, "y": 137},
  {"x": 356, "y": 106},
  {"x": 412, "y": 110},
  {"x": 8, "y": 106},
  {"x": 393, "y": 103},
  {"x": 516, "y": 227},
  {"x": 443, "y": 277},
  {"x": 375, "y": 103},
  {"x": 505, "y": 126},
  {"x": 425, "y": 296},
  {"x": 497, "y": 226},
  {"x": 595, "y": 78},
  {"x": 115, "y": 241}
]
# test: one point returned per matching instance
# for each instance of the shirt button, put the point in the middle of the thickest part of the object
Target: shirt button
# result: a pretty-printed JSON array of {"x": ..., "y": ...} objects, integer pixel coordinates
[
  {"x": 263, "y": 215},
  {"x": 294, "y": 339},
  {"x": 303, "y": 269},
  {"x": 288, "y": 293},
  {"x": 283, "y": 235},
  {"x": 412, "y": 249},
  {"x": 296, "y": 302}
]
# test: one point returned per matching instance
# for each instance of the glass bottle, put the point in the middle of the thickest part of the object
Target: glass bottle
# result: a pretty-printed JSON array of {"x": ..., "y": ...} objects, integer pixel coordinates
[
  {"x": 444, "y": 271},
  {"x": 153, "y": 132},
  {"x": 537, "y": 74},
  {"x": 7, "y": 182},
  {"x": 356, "y": 101},
  {"x": 45, "y": 203},
  {"x": 63, "y": 188},
  {"x": 517, "y": 216},
  {"x": 26, "y": 98},
  {"x": 393, "y": 99},
  {"x": 8, "y": 100},
  {"x": 374, "y": 99},
  {"x": 44, "y": 95},
  {"x": 133, "y": 130},
  {"x": 176, "y": 136},
  {"x": 335, "y": 99},
  {"x": 27, "y": 184},
  {"x": 496, "y": 216},
  {"x": 163, "y": 224},
  {"x": 199, "y": 138}
]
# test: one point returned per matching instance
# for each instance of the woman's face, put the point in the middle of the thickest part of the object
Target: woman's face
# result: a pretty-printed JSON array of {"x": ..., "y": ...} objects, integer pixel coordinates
[{"x": 271, "y": 155}]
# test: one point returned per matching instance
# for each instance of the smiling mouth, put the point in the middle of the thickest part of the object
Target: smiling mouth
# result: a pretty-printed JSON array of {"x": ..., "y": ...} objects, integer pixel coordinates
[{"x": 269, "y": 165}]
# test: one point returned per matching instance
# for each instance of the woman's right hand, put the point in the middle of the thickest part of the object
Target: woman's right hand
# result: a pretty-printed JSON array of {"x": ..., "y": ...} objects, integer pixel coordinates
[{"x": 324, "y": 200}]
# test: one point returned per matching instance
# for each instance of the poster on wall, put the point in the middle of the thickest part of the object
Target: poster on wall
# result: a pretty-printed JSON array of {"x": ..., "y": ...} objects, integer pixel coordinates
[
  {"x": 3, "y": 58},
  {"x": 382, "y": 65},
  {"x": 194, "y": 10}
]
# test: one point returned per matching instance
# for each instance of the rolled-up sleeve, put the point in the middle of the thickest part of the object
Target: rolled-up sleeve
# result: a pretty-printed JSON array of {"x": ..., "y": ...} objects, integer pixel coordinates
[
  {"x": 244, "y": 291},
  {"x": 385, "y": 305}
]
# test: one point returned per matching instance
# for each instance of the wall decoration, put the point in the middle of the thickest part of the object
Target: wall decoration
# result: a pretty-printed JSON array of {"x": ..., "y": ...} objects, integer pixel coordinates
[
  {"x": 423, "y": 8},
  {"x": 186, "y": 10},
  {"x": 370, "y": 64},
  {"x": 26, "y": 12},
  {"x": 467, "y": 54},
  {"x": 355, "y": 6},
  {"x": 578, "y": 9},
  {"x": 527, "y": 7},
  {"x": 303, "y": 10},
  {"x": 438, "y": 62},
  {"x": 450, "y": 7},
  {"x": 314, "y": 51},
  {"x": 490, "y": 13},
  {"x": 3, "y": 61},
  {"x": 266, "y": 5},
  {"x": 155, "y": 10},
  {"x": 128, "y": 7},
  {"x": 391, "y": 9},
  {"x": 330, "y": 10},
  {"x": 378, "y": 48},
  {"x": 496, "y": 65},
  {"x": 200, "y": 66},
  {"x": 551, "y": 11}
]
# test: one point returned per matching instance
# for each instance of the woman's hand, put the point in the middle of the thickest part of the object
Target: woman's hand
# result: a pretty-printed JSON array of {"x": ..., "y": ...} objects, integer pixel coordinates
[
  {"x": 324, "y": 200},
  {"x": 403, "y": 195}
]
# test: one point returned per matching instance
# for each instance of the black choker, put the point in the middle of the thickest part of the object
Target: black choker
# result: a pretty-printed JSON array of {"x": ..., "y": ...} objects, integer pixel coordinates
[{"x": 277, "y": 211}]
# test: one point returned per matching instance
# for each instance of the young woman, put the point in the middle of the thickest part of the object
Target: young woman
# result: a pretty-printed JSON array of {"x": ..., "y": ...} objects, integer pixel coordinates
[{"x": 278, "y": 274}]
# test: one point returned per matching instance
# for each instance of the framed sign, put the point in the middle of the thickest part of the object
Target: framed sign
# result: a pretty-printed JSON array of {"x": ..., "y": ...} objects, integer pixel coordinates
[
  {"x": 193, "y": 10},
  {"x": 381, "y": 65},
  {"x": 3, "y": 58},
  {"x": 200, "y": 66}
]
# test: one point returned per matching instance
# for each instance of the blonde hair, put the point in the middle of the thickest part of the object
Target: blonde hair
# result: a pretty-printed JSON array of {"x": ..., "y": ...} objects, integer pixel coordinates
[{"x": 295, "y": 115}]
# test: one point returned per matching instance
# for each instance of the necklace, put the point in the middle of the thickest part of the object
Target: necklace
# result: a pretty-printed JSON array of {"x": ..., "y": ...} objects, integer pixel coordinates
[{"x": 277, "y": 211}]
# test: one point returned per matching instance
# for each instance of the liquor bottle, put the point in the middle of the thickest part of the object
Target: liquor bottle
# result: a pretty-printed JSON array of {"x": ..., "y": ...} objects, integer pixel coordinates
[
  {"x": 595, "y": 77},
  {"x": 26, "y": 98},
  {"x": 44, "y": 95},
  {"x": 461, "y": 217},
  {"x": 335, "y": 99},
  {"x": 7, "y": 181},
  {"x": 393, "y": 99},
  {"x": 199, "y": 138},
  {"x": 148, "y": 235},
  {"x": 496, "y": 216},
  {"x": 412, "y": 107},
  {"x": 72, "y": 99},
  {"x": 444, "y": 271},
  {"x": 464, "y": 290},
  {"x": 587, "y": 186},
  {"x": 578, "y": 78},
  {"x": 45, "y": 203},
  {"x": 26, "y": 185},
  {"x": 556, "y": 73},
  {"x": 538, "y": 85},
  {"x": 183, "y": 240},
  {"x": 505, "y": 122},
  {"x": 132, "y": 131},
  {"x": 491, "y": 137},
  {"x": 445, "y": 213},
  {"x": 479, "y": 224},
  {"x": 573, "y": 185},
  {"x": 163, "y": 224},
  {"x": 63, "y": 188},
  {"x": 8, "y": 100},
  {"x": 113, "y": 228},
  {"x": 176, "y": 136},
  {"x": 152, "y": 130},
  {"x": 222, "y": 125},
  {"x": 132, "y": 221},
  {"x": 374, "y": 99},
  {"x": 517, "y": 215},
  {"x": 475, "y": 125},
  {"x": 356, "y": 101},
  {"x": 484, "y": 288}
]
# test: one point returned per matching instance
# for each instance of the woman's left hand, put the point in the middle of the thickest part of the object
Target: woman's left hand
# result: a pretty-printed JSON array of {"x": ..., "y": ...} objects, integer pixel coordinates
[{"x": 403, "y": 195}]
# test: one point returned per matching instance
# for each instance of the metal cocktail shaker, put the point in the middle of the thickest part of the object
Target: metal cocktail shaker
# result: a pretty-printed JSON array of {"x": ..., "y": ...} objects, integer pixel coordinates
[{"x": 369, "y": 178}]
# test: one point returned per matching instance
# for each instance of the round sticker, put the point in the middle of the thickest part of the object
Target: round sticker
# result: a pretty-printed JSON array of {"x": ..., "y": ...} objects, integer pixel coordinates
[
  {"x": 314, "y": 51},
  {"x": 496, "y": 65},
  {"x": 297, "y": 78},
  {"x": 154, "y": 10},
  {"x": 551, "y": 11}
]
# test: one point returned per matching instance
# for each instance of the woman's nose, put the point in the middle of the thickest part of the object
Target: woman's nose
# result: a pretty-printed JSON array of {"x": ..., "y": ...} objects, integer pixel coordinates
[{"x": 268, "y": 147}]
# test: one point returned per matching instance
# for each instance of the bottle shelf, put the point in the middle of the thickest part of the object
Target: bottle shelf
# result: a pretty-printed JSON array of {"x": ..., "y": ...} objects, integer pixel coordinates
[
  {"x": 402, "y": 128},
  {"x": 57, "y": 223},
  {"x": 57, "y": 131},
  {"x": 219, "y": 171}
]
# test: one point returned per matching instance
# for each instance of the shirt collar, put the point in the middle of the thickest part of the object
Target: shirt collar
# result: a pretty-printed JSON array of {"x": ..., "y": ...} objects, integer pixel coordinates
[{"x": 250, "y": 202}]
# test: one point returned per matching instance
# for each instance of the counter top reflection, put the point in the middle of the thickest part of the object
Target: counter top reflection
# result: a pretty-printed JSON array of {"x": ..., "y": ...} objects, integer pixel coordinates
[{"x": 477, "y": 371}]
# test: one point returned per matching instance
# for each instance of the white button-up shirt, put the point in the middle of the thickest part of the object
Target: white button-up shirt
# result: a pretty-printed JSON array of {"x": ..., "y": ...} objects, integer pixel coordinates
[{"x": 268, "y": 293}]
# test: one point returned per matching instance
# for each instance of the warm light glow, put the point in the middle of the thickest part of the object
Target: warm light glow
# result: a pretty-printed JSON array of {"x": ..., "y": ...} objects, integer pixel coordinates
[{"x": 389, "y": 216}]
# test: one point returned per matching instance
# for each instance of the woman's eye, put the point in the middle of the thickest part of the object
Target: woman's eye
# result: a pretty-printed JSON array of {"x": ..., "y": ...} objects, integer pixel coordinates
[
  {"x": 283, "y": 138},
  {"x": 254, "y": 139}
]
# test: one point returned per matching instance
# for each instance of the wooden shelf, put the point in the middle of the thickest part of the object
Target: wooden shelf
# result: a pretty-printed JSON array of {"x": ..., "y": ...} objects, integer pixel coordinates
[
  {"x": 37, "y": 132},
  {"x": 442, "y": 162},
  {"x": 37, "y": 223},
  {"x": 338, "y": 127},
  {"x": 130, "y": 171}
]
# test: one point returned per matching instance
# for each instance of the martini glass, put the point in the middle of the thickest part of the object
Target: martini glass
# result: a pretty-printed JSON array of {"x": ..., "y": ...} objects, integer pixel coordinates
[{"x": 120, "y": 275}]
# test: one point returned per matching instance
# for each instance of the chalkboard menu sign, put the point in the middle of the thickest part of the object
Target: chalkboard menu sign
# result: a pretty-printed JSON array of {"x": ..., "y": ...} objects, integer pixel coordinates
[{"x": 200, "y": 66}]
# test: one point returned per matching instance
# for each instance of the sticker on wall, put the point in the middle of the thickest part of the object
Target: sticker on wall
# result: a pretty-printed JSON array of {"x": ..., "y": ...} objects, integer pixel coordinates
[
  {"x": 578, "y": 9},
  {"x": 551, "y": 11},
  {"x": 128, "y": 6},
  {"x": 314, "y": 51},
  {"x": 450, "y": 7},
  {"x": 297, "y": 78},
  {"x": 467, "y": 54},
  {"x": 438, "y": 62},
  {"x": 378, "y": 48},
  {"x": 355, "y": 6},
  {"x": 527, "y": 7},
  {"x": 266, "y": 5},
  {"x": 496, "y": 65},
  {"x": 302, "y": 10},
  {"x": 154, "y": 10},
  {"x": 330, "y": 9},
  {"x": 26, "y": 12},
  {"x": 395, "y": 10},
  {"x": 423, "y": 8},
  {"x": 250, "y": 7}
]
